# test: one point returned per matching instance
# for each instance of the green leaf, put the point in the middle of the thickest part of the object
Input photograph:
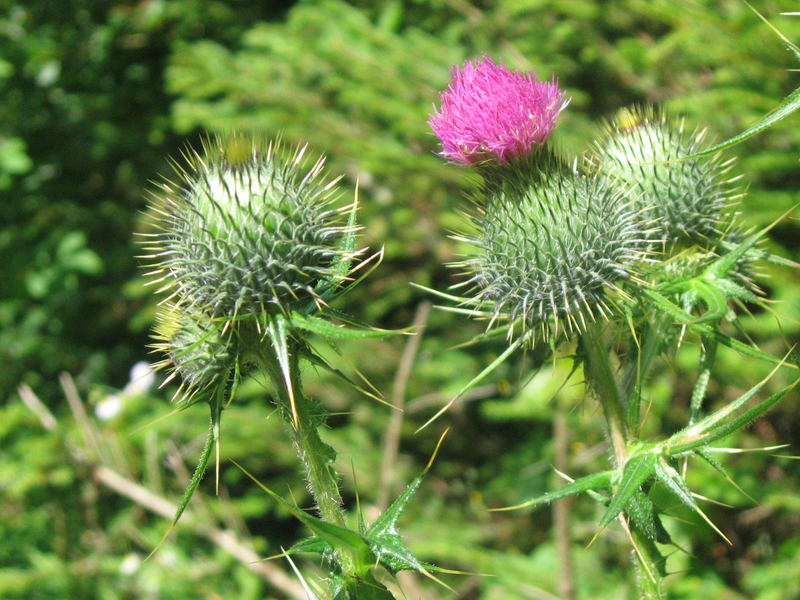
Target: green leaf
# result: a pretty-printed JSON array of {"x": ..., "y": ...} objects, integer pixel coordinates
[
  {"x": 327, "y": 329},
  {"x": 715, "y": 301},
  {"x": 790, "y": 104},
  {"x": 637, "y": 470},
  {"x": 642, "y": 513},
  {"x": 675, "y": 484},
  {"x": 723, "y": 265},
  {"x": 697, "y": 434},
  {"x": 313, "y": 545},
  {"x": 741, "y": 421},
  {"x": 480, "y": 376},
  {"x": 339, "y": 538},
  {"x": 387, "y": 522},
  {"x": 716, "y": 465},
  {"x": 682, "y": 316},
  {"x": 707, "y": 356},
  {"x": 601, "y": 480}
]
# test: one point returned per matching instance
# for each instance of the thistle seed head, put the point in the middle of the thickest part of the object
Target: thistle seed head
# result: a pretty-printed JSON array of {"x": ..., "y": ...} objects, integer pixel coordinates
[
  {"x": 641, "y": 152},
  {"x": 246, "y": 228},
  {"x": 550, "y": 247}
]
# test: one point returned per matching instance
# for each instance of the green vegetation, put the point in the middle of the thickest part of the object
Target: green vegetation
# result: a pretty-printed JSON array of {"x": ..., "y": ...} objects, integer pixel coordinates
[{"x": 96, "y": 96}]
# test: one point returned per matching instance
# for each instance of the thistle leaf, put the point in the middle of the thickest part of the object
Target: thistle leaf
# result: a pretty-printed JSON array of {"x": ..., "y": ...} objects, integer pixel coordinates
[
  {"x": 680, "y": 315},
  {"x": 339, "y": 538},
  {"x": 314, "y": 545},
  {"x": 741, "y": 421},
  {"x": 790, "y": 104},
  {"x": 277, "y": 329},
  {"x": 675, "y": 484},
  {"x": 642, "y": 512},
  {"x": 327, "y": 329},
  {"x": 387, "y": 522},
  {"x": 602, "y": 480},
  {"x": 711, "y": 460},
  {"x": 480, "y": 376},
  {"x": 638, "y": 469}
]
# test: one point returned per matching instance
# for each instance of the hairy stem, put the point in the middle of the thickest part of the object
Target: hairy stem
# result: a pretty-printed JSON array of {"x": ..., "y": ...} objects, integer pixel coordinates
[
  {"x": 600, "y": 375},
  {"x": 316, "y": 456}
]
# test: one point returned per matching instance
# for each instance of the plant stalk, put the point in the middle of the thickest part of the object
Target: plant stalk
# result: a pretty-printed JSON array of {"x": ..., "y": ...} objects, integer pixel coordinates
[
  {"x": 599, "y": 373},
  {"x": 315, "y": 455}
]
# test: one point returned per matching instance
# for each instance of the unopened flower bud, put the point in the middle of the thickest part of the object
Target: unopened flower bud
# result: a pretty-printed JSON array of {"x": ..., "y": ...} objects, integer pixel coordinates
[
  {"x": 246, "y": 229},
  {"x": 551, "y": 245},
  {"x": 644, "y": 153}
]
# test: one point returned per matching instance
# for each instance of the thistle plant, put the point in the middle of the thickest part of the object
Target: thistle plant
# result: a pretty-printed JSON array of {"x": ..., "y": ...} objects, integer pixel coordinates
[
  {"x": 253, "y": 245},
  {"x": 615, "y": 257}
]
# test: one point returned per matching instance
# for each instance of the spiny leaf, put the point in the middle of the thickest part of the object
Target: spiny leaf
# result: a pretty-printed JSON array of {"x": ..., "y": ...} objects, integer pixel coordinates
[
  {"x": 742, "y": 420},
  {"x": 642, "y": 512},
  {"x": 202, "y": 463},
  {"x": 339, "y": 538},
  {"x": 602, "y": 480},
  {"x": 637, "y": 470},
  {"x": 790, "y": 104},
  {"x": 682, "y": 316},
  {"x": 327, "y": 329},
  {"x": 675, "y": 484},
  {"x": 711, "y": 460},
  {"x": 723, "y": 265},
  {"x": 707, "y": 356},
  {"x": 386, "y": 523},
  {"x": 480, "y": 376},
  {"x": 278, "y": 334},
  {"x": 313, "y": 544},
  {"x": 317, "y": 360},
  {"x": 714, "y": 299},
  {"x": 709, "y": 428}
]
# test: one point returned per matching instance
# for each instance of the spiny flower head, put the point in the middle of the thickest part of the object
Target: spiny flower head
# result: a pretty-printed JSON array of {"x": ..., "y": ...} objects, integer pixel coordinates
[
  {"x": 490, "y": 113},
  {"x": 197, "y": 350},
  {"x": 247, "y": 229},
  {"x": 549, "y": 251},
  {"x": 644, "y": 153}
]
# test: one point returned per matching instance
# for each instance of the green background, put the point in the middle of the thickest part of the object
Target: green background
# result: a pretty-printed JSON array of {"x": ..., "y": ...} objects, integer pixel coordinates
[{"x": 96, "y": 95}]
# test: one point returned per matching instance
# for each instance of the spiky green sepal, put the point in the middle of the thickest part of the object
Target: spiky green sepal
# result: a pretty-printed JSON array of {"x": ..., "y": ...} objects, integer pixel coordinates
[
  {"x": 551, "y": 244},
  {"x": 644, "y": 153},
  {"x": 246, "y": 228}
]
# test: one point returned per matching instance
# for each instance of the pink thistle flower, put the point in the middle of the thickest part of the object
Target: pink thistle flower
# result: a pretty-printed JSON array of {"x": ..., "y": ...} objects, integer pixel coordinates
[{"x": 491, "y": 113}]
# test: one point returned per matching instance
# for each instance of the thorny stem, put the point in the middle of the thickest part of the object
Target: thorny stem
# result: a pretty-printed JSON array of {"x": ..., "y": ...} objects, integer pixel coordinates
[
  {"x": 599, "y": 373},
  {"x": 315, "y": 455}
]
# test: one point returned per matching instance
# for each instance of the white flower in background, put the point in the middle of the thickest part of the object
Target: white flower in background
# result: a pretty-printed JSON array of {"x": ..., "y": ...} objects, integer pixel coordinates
[
  {"x": 130, "y": 564},
  {"x": 141, "y": 381},
  {"x": 109, "y": 407}
]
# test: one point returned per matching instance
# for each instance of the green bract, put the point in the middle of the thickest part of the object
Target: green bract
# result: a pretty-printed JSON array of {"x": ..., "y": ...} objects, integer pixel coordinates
[
  {"x": 551, "y": 243},
  {"x": 643, "y": 153},
  {"x": 246, "y": 229}
]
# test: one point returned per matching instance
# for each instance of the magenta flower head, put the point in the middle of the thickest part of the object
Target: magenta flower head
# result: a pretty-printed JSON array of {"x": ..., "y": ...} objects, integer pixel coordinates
[{"x": 489, "y": 113}]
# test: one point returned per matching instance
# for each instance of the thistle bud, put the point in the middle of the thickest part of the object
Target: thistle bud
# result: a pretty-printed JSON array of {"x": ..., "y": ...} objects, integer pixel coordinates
[
  {"x": 197, "y": 350},
  {"x": 643, "y": 152},
  {"x": 246, "y": 229},
  {"x": 550, "y": 246}
]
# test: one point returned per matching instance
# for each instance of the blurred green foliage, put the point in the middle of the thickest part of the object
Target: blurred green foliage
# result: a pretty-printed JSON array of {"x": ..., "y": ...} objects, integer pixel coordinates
[{"x": 96, "y": 95}]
